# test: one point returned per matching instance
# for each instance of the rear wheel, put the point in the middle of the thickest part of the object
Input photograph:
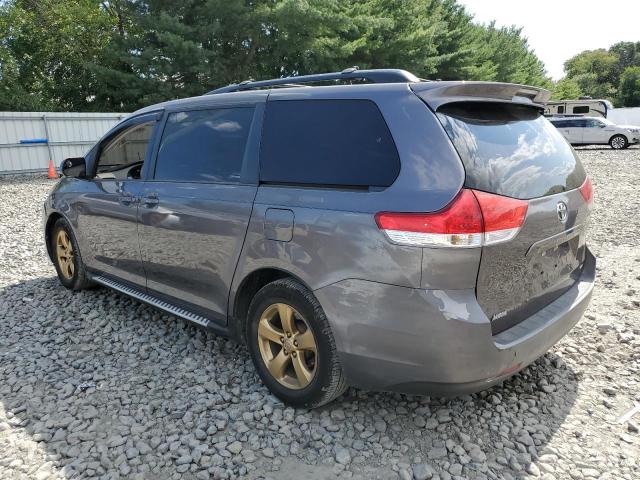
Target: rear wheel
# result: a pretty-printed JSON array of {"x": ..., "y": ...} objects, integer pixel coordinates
[
  {"x": 66, "y": 257},
  {"x": 292, "y": 345},
  {"x": 618, "y": 142}
]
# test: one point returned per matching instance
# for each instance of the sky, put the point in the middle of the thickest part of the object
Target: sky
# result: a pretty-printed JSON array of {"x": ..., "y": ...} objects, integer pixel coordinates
[{"x": 559, "y": 29}]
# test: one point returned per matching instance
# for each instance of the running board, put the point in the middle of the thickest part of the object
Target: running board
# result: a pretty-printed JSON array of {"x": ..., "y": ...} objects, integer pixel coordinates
[{"x": 153, "y": 301}]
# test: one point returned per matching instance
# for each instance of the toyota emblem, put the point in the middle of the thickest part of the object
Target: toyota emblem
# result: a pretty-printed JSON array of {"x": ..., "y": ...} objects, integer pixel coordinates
[{"x": 562, "y": 211}]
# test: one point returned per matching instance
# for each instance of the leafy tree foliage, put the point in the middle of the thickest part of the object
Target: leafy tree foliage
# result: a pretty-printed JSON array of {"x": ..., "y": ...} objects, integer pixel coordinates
[
  {"x": 123, "y": 54},
  {"x": 599, "y": 73},
  {"x": 47, "y": 48},
  {"x": 566, "y": 89},
  {"x": 628, "y": 54},
  {"x": 629, "y": 91}
]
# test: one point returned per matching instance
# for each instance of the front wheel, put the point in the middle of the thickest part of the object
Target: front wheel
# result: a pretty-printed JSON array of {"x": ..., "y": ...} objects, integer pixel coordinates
[
  {"x": 618, "y": 142},
  {"x": 292, "y": 346},
  {"x": 66, "y": 257}
]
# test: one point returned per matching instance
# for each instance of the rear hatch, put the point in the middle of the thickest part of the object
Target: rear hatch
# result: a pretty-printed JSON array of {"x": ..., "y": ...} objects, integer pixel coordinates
[{"x": 510, "y": 149}]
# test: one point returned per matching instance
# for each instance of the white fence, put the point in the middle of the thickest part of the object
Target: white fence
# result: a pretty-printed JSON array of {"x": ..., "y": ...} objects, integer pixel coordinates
[
  {"x": 625, "y": 116},
  {"x": 29, "y": 139}
]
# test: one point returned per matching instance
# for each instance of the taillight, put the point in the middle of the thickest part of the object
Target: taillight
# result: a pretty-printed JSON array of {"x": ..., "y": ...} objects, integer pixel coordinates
[
  {"x": 502, "y": 216},
  {"x": 473, "y": 219},
  {"x": 458, "y": 225},
  {"x": 586, "y": 189}
]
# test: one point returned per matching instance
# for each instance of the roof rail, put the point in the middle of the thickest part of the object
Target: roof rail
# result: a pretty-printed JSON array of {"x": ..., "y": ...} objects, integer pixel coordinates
[{"x": 387, "y": 75}]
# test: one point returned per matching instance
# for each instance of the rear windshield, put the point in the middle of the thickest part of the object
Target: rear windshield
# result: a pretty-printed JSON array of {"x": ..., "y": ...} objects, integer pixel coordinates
[{"x": 511, "y": 149}]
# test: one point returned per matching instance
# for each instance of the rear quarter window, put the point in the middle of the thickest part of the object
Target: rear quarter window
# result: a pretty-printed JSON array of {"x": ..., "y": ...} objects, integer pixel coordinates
[
  {"x": 336, "y": 143},
  {"x": 510, "y": 149}
]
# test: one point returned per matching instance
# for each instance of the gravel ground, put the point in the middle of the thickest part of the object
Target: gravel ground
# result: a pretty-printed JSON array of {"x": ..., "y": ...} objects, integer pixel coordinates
[{"x": 93, "y": 384}]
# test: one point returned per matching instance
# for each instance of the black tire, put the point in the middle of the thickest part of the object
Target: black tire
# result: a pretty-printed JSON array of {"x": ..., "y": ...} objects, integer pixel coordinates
[
  {"x": 618, "y": 142},
  {"x": 79, "y": 279},
  {"x": 328, "y": 381}
]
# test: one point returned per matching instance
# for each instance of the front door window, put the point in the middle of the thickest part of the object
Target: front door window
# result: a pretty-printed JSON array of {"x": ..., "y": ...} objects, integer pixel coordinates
[{"x": 122, "y": 157}]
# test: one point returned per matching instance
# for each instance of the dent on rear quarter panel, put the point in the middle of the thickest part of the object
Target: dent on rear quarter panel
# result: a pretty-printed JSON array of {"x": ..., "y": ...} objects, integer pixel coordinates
[{"x": 335, "y": 236}]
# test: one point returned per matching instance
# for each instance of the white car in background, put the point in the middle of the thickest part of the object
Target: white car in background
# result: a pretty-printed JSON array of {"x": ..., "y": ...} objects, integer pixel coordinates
[{"x": 596, "y": 131}]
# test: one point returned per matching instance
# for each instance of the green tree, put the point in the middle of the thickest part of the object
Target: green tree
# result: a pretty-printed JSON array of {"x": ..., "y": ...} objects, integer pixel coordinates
[
  {"x": 457, "y": 42},
  {"x": 47, "y": 49},
  {"x": 628, "y": 54},
  {"x": 177, "y": 49},
  {"x": 124, "y": 54},
  {"x": 599, "y": 62},
  {"x": 566, "y": 89},
  {"x": 629, "y": 91},
  {"x": 512, "y": 59},
  {"x": 599, "y": 73},
  {"x": 594, "y": 72}
]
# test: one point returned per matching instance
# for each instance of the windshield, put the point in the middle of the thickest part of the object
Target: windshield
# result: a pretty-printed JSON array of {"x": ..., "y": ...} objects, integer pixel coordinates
[{"x": 510, "y": 149}]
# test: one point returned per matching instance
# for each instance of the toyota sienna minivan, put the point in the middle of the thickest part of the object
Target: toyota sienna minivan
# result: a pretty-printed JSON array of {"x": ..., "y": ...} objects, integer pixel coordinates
[{"x": 378, "y": 230}]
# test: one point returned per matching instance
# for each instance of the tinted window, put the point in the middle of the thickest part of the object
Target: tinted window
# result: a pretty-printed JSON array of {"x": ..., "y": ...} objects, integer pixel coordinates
[
  {"x": 561, "y": 109},
  {"x": 579, "y": 123},
  {"x": 511, "y": 150},
  {"x": 594, "y": 124},
  {"x": 327, "y": 142},
  {"x": 582, "y": 109},
  {"x": 204, "y": 145},
  {"x": 573, "y": 123},
  {"x": 122, "y": 156},
  {"x": 559, "y": 123}
]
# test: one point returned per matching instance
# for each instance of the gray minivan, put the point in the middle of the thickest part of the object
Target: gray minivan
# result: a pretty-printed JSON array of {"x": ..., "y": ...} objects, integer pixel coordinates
[{"x": 390, "y": 234}]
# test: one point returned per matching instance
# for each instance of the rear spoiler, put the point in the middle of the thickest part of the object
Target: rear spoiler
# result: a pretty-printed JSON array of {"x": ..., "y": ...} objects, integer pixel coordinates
[{"x": 436, "y": 94}]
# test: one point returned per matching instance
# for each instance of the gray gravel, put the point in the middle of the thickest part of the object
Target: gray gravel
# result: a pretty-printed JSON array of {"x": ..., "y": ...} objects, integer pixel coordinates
[{"x": 93, "y": 384}]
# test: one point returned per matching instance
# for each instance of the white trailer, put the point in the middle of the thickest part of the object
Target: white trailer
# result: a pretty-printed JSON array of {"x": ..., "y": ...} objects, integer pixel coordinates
[{"x": 587, "y": 106}]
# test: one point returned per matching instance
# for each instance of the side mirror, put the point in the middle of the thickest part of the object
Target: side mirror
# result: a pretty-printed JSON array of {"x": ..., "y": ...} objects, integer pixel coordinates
[{"x": 74, "y": 167}]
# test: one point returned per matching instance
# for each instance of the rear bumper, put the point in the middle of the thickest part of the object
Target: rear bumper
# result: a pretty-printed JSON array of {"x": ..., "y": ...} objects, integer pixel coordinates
[{"x": 439, "y": 341}]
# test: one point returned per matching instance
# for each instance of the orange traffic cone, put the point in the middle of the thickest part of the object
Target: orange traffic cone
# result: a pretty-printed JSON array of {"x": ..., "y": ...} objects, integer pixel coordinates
[{"x": 52, "y": 171}]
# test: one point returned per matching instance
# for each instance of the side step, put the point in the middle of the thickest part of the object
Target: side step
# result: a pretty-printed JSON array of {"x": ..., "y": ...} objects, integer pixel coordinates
[{"x": 153, "y": 301}]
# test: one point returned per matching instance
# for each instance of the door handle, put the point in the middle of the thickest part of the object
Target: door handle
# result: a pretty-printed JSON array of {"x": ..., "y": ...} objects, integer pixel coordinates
[
  {"x": 127, "y": 200},
  {"x": 150, "y": 200}
]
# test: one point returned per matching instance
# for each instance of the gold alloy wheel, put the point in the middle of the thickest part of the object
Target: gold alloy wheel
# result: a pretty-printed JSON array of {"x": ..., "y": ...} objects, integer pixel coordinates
[
  {"x": 64, "y": 253},
  {"x": 287, "y": 346}
]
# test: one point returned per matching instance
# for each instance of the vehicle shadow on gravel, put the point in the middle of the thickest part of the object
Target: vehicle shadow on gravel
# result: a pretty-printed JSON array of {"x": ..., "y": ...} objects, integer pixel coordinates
[
  {"x": 94, "y": 384},
  {"x": 606, "y": 147}
]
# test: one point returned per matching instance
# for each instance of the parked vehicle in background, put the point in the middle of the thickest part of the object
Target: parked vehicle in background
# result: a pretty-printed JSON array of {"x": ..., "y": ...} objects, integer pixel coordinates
[
  {"x": 596, "y": 131},
  {"x": 584, "y": 106},
  {"x": 398, "y": 235}
]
